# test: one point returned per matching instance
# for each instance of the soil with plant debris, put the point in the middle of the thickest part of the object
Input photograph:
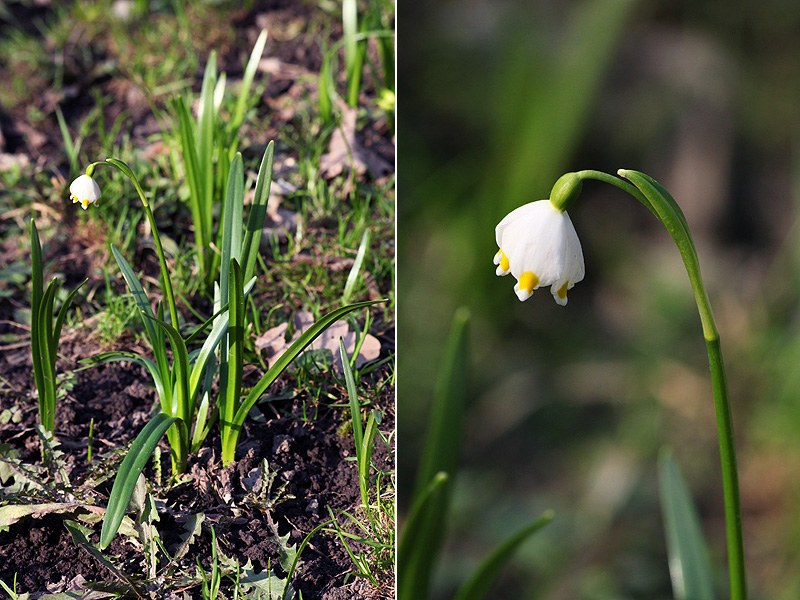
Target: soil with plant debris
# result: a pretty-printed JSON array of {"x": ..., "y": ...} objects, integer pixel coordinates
[{"x": 309, "y": 457}]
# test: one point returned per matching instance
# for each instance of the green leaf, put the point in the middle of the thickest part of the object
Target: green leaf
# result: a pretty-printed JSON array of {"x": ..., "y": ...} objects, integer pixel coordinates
[
  {"x": 257, "y": 215},
  {"x": 206, "y": 354},
  {"x": 37, "y": 282},
  {"x": 63, "y": 312},
  {"x": 440, "y": 454},
  {"x": 352, "y": 393},
  {"x": 291, "y": 353},
  {"x": 233, "y": 381},
  {"x": 139, "y": 295},
  {"x": 689, "y": 564},
  {"x": 180, "y": 372},
  {"x": 414, "y": 543},
  {"x": 205, "y": 137},
  {"x": 443, "y": 438},
  {"x": 191, "y": 165},
  {"x": 125, "y": 481},
  {"x": 479, "y": 582},
  {"x": 80, "y": 538},
  {"x": 367, "y": 445},
  {"x": 232, "y": 222},
  {"x": 247, "y": 82}
]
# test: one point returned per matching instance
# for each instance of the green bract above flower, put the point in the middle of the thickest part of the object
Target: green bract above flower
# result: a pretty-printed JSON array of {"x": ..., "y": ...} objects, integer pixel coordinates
[
  {"x": 84, "y": 190},
  {"x": 539, "y": 246}
]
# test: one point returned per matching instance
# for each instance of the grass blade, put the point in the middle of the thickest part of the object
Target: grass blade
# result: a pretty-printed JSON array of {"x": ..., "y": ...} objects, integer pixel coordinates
[
  {"x": 352, "y": 277},
  {"x": 689, "y": 564},
  {"x": 129, "y": 472}
]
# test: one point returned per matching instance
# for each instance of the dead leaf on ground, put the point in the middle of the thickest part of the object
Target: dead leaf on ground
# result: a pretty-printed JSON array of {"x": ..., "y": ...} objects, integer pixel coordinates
[
  {"x": 345, "y": 151},
  {"x": 274, "y": 343}
]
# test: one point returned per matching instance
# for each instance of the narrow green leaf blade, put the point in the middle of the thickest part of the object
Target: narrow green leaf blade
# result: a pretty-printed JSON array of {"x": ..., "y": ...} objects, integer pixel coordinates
[
  {"x": 62, "y": 313},
  {"x": 233, "y": 383},
  {"x": 440, "y": 453},
  {"x": 291, "y": 353},
  {"x": 37, "y": 292},
  {"x": 180, "y": 363},
  {"x": 352, "y": 277},
  {"x": 479, "y": 582},
  {"x": 122, "y": 490},
  {"x": 258, "y": 213},
  {"x": 689, "y": 564},
  {"x": 355, "y": 407},
  {"x": 139, "y": 296},
  {"x": 413, "y": 541},
  {"x": 247, "y": 81},
  {"x": 232, "y": 223}
]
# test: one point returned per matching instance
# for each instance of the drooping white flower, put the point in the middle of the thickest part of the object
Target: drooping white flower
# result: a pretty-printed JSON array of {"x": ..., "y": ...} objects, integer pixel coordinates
[
  {"x": 84, "y": 190},
  {"x": 539, "y": 247}
]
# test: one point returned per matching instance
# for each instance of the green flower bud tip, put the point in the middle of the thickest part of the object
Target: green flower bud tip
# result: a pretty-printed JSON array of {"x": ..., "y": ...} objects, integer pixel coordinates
[{"x": 565, "y": 191}]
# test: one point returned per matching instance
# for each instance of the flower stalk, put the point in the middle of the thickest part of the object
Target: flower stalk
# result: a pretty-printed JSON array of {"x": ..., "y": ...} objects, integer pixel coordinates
[
  {"x": 540, "y": 246},
  {"x": 162, "y": 261}
]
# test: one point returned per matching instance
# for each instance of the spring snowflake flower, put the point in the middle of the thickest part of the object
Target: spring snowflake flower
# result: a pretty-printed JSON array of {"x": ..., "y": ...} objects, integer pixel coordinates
[
  {"x": 84, "y": 190},
  {"x": 539, "y": 247}
]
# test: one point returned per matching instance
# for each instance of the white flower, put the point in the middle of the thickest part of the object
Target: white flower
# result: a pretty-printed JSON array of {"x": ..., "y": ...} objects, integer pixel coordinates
[
  {"x": 84, "y": 190},
  {"x": 539, "y": 246}
]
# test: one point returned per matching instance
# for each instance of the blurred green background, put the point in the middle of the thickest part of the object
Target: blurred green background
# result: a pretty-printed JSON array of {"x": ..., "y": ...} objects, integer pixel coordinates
[{"x": 569, "y": 407}]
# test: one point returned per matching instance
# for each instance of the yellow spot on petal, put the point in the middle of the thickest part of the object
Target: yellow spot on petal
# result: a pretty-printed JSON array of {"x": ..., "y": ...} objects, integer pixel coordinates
[
  {"x": 562, "y": 291},
  {"x": 85, "y": 204},
  {"x": 504, "y": 262},
  {"x": 528, "y": 281}
]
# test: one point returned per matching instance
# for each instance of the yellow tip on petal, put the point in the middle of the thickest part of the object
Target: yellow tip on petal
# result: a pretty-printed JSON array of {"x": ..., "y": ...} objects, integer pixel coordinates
[
  {"x": 528, "y": 281},
  {"x": 562, "y": 291},
  {"x": 504, "y": 264}
]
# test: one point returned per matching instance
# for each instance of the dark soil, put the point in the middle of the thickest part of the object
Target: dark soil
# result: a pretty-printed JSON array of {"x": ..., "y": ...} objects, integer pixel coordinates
[{"x": 308, "y": 456}]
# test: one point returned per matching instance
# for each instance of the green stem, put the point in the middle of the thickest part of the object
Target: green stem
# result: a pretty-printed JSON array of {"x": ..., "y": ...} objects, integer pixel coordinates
[
  {"x": 165, "y": 278},
  {"x": 660, "y": 203}
]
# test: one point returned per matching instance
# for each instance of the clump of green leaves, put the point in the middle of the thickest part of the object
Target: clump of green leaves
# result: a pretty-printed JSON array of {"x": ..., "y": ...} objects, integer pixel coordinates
[{"x": 45, "y": 333}]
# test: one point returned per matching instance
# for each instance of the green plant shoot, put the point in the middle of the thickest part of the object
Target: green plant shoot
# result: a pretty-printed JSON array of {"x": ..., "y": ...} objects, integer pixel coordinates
[{"x": 45, "y": 334}]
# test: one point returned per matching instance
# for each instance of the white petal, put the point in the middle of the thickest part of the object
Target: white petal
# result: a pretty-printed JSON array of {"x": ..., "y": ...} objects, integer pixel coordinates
[
  {"x": 84, "y": 190},
  {"x": 538, "y": 238},
  {"x": 522, "y": 294},
  {"x": 513, "y": 216}
]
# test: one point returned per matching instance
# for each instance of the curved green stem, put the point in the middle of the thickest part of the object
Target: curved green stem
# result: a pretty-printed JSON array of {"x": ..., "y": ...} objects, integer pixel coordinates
[
  {"x": 660, "y": 203},
  {"x": 165, "y": 278}
]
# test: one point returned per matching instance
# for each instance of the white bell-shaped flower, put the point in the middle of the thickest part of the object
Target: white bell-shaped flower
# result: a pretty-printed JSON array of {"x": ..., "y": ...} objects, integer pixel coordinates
[
  {"x": 84, "y": 190},
  {"x": 539, "y": 247}
]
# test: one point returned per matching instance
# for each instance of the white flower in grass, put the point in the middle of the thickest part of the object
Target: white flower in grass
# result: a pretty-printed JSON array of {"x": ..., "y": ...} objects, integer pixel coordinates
[
  {"x": 84, "y": 190},
  {"x": 539, "y": 246}
]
